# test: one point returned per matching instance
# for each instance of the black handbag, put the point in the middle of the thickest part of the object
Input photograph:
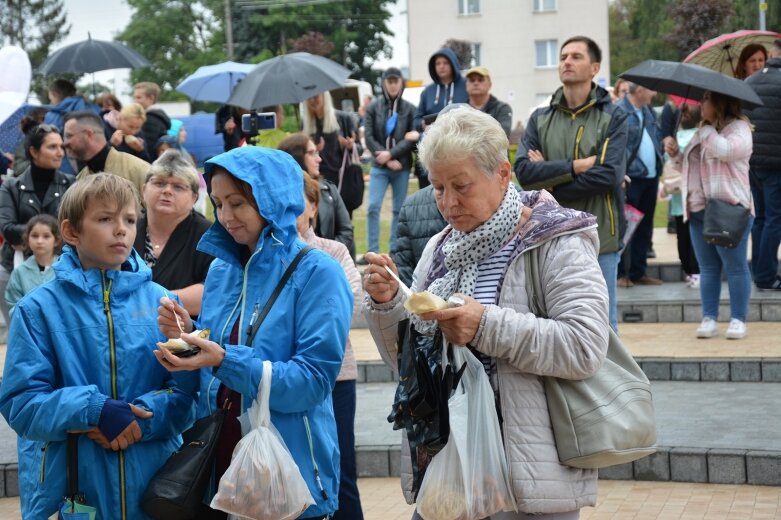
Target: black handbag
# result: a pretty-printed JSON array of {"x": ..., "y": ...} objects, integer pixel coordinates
[
  {"x": 724, "y": 223},
  {"x": 351, "y": 183},
  {"x": 176, "y": 491}
]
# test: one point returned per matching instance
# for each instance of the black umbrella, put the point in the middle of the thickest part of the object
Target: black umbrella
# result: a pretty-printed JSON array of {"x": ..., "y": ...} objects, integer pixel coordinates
[
  {"x": 688, "y": 81},
  {"x": 91, "y": 56},
  {"x": 290, "y": 78}
]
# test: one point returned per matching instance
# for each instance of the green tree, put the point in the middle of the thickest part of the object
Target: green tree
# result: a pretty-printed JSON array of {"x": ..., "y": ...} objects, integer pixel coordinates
[
  {"x": 697, "y": 22},
  {"x": 357, "y": 28},
  {"x": 35, "y": 26},
  {"x": 176, "y": 36}
]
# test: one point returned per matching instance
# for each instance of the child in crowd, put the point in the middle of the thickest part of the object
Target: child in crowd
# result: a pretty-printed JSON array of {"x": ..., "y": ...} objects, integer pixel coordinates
[
  {"x": 80, "y": 361},
  {"x": 42, "y": 241},
  {"x": 126, "y": 125}
]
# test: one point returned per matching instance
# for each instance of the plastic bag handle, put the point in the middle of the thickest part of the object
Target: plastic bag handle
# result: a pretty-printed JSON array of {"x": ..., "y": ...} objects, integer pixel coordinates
[{"x": 263, "y": 418}]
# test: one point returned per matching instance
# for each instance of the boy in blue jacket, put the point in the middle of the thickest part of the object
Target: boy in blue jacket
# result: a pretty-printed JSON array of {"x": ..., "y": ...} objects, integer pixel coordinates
[{"x": 80, "y": 361}]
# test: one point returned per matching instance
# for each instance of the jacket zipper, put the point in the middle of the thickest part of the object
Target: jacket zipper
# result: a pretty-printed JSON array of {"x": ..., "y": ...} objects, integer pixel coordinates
[
  {"x": 604, "y": 151},
  {"x": 114, "y": 394},
  {"x": 578, "y": 137},
  {"x": 314, "y": 464},
  {"x": 610, "y": 214},
  {"x": 44, "y": 449}
]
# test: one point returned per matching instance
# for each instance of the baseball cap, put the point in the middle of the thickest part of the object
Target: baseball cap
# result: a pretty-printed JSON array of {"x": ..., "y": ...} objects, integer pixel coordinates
[
  {"x": 391, "y": 72},
  {"x": 482, "y": 71}
]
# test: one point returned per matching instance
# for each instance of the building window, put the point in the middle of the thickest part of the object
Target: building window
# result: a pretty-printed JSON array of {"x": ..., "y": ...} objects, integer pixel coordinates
[
  {"x": 544, "y": 5},
  {"x": 475, "y": 55},
  {"x": 546, "y": 53},
  {"x": 468, "y": 6}
]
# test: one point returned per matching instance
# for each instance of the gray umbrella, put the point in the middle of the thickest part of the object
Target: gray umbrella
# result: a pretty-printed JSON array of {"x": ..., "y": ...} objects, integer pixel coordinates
[
  {"x": 91, "y": 56},
  {"x": 290, "y": 78},
  {"x": 689, "y": 81}
]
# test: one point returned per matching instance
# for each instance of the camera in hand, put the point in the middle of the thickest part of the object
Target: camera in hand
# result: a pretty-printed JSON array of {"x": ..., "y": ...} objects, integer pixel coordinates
[{"x": 254, "y": 122}]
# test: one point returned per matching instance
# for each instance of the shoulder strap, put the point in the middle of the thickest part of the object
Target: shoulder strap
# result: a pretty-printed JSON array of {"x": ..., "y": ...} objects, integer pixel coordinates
[
  {"x": 73, "y": 465},
  {"x": 278, "y": 289}
]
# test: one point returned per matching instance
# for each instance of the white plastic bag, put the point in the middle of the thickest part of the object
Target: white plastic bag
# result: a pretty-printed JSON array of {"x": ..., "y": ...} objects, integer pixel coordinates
[
  {"x": 468, "y": 479},
  {"x": 263, "y": 481}
]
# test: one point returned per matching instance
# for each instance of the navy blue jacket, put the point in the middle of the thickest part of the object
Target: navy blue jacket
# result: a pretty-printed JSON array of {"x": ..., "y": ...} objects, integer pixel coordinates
[{"x": 437, "y": 96}]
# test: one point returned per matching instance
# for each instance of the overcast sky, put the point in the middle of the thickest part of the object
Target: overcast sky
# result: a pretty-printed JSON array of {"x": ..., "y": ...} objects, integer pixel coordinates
[{"x": 105, "y": 18}]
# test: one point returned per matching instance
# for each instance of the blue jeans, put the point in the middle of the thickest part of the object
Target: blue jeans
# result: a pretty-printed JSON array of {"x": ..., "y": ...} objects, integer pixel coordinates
[
  {"x": 344, "y": 412},
  {"x": 712, "y": 259},
  {"x": 379, "y": 179},
  {"x": 608, "y": 262},
  {"x": 766, "y": 232}
]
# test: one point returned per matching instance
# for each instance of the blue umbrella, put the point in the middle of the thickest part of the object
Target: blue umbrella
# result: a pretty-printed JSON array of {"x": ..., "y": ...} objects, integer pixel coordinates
[
  {"x": 214, "y": 82},
  {"x": 10, "y": 132}
]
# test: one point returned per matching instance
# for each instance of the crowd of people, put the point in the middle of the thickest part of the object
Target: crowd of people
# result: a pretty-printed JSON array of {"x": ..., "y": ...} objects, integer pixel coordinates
[{"x": 105, "y": 254}]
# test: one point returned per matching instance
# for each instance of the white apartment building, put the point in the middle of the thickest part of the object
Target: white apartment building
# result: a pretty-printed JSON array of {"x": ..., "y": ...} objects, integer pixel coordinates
[{"x": 517, "y": 40}]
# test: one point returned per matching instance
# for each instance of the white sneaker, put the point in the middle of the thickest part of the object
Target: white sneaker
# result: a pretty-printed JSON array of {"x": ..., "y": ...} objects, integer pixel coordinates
[
  {"x": 693, "y": 281},
  {"x": 708, "y": 328},
  {"x": 736, "y": 329}
]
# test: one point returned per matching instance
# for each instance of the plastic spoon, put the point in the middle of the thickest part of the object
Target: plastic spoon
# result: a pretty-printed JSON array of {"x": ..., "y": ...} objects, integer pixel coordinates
[{"x": 406, "y": 290}]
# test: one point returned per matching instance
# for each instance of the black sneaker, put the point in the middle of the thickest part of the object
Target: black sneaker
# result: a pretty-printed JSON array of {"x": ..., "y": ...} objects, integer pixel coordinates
[
  {"x": 650, "y": 254},
  {"x": 775, "y": 285}
]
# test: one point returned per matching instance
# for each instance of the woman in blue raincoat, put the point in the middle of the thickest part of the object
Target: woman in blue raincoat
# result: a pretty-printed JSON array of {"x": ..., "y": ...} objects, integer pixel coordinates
[{"x": 258, "y": 193}]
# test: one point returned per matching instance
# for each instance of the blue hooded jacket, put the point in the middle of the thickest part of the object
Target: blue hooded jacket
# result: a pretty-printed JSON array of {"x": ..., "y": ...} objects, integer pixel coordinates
[
  {"x": 74, "y": 342},
  {"x": 437, "y": 96},
  {"x": 303, "y": 335}
]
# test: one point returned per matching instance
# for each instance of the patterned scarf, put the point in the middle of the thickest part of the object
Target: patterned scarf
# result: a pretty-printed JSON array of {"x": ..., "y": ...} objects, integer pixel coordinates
[{"x": 464, "y": 251}]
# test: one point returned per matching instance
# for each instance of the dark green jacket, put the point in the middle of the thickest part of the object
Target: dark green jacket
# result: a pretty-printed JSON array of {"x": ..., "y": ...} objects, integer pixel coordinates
[{"x": 562, "y": 135}]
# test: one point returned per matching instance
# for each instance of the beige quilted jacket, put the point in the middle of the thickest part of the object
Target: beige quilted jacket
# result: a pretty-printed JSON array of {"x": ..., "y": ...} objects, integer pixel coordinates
[{"x": 572, "y": 344}]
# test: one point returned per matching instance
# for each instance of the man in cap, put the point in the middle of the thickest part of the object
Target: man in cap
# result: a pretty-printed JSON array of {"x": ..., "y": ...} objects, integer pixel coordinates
[
  {"x": 478, "y": 88},
  {"x": 388, "y": 119}
]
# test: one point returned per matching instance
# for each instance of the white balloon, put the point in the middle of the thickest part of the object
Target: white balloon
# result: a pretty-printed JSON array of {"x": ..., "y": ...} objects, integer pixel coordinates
[{"x": 15, "y": 80}]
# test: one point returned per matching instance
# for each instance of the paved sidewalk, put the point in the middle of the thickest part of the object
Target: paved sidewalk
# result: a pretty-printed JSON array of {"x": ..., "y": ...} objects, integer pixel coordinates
[{"x": 617, "y": 500}]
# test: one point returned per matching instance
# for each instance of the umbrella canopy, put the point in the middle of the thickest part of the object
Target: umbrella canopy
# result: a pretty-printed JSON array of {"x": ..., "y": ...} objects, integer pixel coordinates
[
  {"x": 91, "y": 56},
  {"x": 14, "y": 81},
  {"x": 214, "y": 82},
  {"x": 722, "y": 52},
  {"x": 290, "y": 78},
  {"x": 688, "y": 81}
]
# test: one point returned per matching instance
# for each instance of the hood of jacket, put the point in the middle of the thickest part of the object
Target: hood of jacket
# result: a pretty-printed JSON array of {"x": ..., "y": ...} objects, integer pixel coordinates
[
  {"x": 161, "y": 117},
  {"x": 598, "y": 96},
  {"x": 71, "y": 104},
  {"x": 278, "y": 188},
  {"x": 134, "y": 272},
  {"x": 451, "y": 56}
]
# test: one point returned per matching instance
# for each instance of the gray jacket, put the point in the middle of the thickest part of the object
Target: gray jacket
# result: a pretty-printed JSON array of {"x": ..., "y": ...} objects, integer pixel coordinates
[
  {"x": 419, "y": 220},
  {"x": 571, "y": 344}
]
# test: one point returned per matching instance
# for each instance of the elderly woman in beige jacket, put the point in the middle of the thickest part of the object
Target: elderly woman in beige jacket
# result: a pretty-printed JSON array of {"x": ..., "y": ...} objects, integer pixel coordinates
[{"x": 479, "y": 255}]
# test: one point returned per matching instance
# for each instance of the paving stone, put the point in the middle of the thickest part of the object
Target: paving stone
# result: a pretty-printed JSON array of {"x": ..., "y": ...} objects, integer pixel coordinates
[
  {"x": 394, "y": 458},
  {"x": 689, "y": 465},
  {"x": 654, "y": 467},
  {"x": 2, "y": 481},
  {"x": 771, "y": 372},
  {"x": 650, "y": 312},
  {"x": 727, "y": 466},
  {"x": 670, "y": 273},
  {"x": 685, "y": 371},
  {"x": 372, "y": 461},
  {"x": 361, "y": 378},
  {"x": 657, "y": 370},
  {"x": 754, "y": 312},
  {"x": 670, "y": 313},
  {"x": 771, "y": 311},
  {"x": 618, "y": 472},
  {"x": 763, "y": 468},
  {"x": 12, "y": 480},
  {"x": 745, "y": 371},
  {"x": 692, "y": 314},
  {"x": 714, "y": 371},
  {"x": 379, "y": 373}
]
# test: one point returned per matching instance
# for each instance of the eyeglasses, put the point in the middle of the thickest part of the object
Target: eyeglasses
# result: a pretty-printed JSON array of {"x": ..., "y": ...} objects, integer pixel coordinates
[
  {"x": 313, "y": 153},
  {"x": 177, "y": 187}
]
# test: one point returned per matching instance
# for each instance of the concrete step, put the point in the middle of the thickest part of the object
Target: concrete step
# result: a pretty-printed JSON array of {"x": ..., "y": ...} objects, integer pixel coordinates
[{"x": 724, "y": 433}]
